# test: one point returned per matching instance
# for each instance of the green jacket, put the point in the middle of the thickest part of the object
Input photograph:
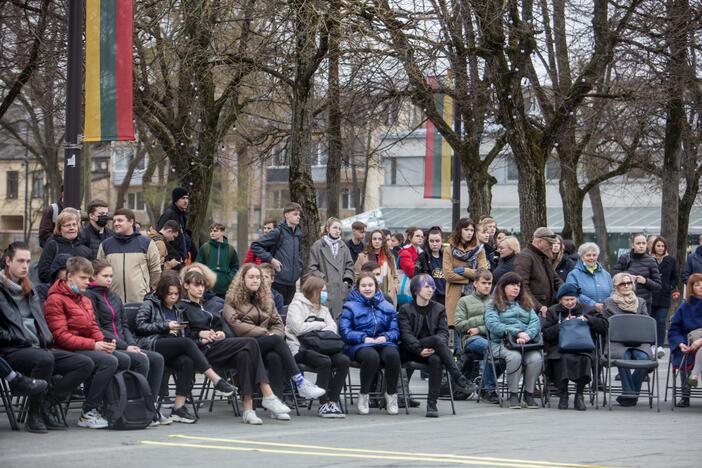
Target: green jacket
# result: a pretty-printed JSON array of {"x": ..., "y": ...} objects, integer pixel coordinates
[
  {"x": 470, "y": 313},
  {"x": 222, "y": 259}
]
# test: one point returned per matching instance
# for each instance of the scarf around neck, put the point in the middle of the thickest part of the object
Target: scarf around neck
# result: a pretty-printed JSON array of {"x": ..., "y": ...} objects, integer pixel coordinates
[
  {"x": 470, "y": 256},
  {"x": 12, "y": 287},
  {"x": 333, "y": 244},
  {"x": 628, "y": 302}
]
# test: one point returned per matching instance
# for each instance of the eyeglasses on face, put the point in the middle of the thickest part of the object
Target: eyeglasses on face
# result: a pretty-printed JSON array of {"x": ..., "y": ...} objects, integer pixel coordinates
[{"x": 625, "y": 283}]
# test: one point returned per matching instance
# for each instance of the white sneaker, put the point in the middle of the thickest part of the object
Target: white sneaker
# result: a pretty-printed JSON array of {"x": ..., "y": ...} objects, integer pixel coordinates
[
  {"x": 660, "y": 352},
  {"x": 274, "y": 405},
  {"x": 250, "y": 417},
  {"x": 279, "y": 416},
  {"x": 363, "y": 404},
  {"x": 92, "y": 420},
  {"x": 310, "y": 391},
  {"x": 391, "y": 404}
]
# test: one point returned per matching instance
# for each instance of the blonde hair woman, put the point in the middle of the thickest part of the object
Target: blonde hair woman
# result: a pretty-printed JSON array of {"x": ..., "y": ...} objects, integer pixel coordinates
[{"x": 64, "y": 241}]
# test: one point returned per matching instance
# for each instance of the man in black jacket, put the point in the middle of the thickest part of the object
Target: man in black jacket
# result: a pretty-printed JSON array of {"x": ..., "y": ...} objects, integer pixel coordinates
[
  {"x": 96, "y": 231},
  {"x": 178, "y": 212},
  {"x": 25, "y": 340}
]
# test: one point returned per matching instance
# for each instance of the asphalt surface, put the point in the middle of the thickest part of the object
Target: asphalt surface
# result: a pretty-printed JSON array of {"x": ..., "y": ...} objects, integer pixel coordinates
[{"x": 480, "y": 435}]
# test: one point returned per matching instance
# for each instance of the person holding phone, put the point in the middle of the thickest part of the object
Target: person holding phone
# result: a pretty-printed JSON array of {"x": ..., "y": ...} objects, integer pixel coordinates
[
  {"x": 71, "y": 319},
  {"x": 160, "y": 325}
]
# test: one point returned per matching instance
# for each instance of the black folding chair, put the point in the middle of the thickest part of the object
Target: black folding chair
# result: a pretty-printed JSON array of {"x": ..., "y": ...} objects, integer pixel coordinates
[
  {"x": 671, "y": 382},
  {"x": 6, "y": 397},
  {"x": 633, "y": 330},
  {"x": 420, "y": 366}
]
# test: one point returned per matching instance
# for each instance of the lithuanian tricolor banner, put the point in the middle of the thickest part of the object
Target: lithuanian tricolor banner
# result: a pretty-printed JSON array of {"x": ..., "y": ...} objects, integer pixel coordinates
[
  {"x": 437, "y": 157},
  {"x": 108, "y": 70}
]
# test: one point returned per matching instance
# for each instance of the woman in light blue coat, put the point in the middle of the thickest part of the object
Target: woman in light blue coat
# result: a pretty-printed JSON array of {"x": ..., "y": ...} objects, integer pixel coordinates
[{"x": 594, "y": 282}]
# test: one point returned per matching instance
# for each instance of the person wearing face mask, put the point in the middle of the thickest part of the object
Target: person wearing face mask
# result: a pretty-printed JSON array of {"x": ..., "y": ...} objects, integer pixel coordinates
[
  {"x": 564, "y": 367},
  {"x": 95, "y": 231},
  {"x": 64, "y": 241},
  {"x": 330, "y": 259},
  {"x": 308, "y": 312},
  {"x": 378, "y": 252},
  {"x": 71, "y": 319}
]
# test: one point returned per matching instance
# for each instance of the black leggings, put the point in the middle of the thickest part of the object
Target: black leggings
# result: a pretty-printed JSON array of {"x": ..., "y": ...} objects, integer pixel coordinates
[
  {"x": 184, "y": 357},
  {"x": 279, "y": 361},
  {"x": 370, "y": 358},
  {"x": 242, "y": 354},
  {"x": 324, "y": 365}
]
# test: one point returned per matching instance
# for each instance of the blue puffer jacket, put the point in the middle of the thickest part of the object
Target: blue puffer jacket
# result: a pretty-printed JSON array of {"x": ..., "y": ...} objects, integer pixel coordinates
[
  {"x": 514, "y": 320},
  {"x": 363, "y": 318},
  {"x": 688, "y": 317},
  {"x": 594, "y": 287}
]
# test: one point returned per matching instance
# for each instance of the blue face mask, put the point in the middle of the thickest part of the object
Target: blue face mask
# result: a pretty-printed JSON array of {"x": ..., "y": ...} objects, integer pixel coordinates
[
  {"x": 323, "y": 297},
  {"x": 74, "y": 288}
]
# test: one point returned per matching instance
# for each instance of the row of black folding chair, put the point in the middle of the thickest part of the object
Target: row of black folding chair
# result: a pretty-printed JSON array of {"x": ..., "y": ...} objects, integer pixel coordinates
[{"x": 672, "y": 383}]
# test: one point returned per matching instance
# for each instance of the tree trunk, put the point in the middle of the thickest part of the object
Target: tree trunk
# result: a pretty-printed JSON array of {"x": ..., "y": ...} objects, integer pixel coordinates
[
  {"x": 242, "y": 205},
  {"x": 572, "y": 197},
  {"x": 334, "y": 106},
  {"x": 123, "y": 187},
  {"x": 531, "y": 188},
  {"x": 480, "y": 184},
  {"x": 675, "y": 120},
  {"x": 598, "y": 217}
]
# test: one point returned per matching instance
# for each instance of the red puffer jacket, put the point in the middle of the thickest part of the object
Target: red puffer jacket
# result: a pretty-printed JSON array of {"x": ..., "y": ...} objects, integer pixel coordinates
[{"x": 71, "y": 319}]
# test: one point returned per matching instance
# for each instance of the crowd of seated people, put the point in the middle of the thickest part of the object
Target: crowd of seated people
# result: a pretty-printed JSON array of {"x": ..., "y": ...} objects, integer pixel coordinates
[{"x": 459, "y": 298}]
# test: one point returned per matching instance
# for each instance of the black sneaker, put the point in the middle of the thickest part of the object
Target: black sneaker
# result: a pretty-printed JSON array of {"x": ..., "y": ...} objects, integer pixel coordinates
[
  {"x": 182, "y": 415},
  {"x": 626, "y": 402},
  {"x": 514, "y": 402},
  {"x": 24, "y": 386},
  {"x": 224, "y": 388},
  {"x": 529, "y": 400},
  {"x": 432, "y": 409},
  {"x": 683, "y": 402},
  {"x": 462, "y": 383},
  {"x": 490, "y": 396},
  {"x": 51, "y": 416}
]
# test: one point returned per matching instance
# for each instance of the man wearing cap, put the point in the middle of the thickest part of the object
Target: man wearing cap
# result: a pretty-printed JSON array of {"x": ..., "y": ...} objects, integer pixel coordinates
[
  {"x": 178, "y": 212},
  {"x": 534, "y": 266}
]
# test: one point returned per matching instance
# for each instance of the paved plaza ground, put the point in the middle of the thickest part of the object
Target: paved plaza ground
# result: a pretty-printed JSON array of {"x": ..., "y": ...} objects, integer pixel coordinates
[{"x": 480, "y": 435}]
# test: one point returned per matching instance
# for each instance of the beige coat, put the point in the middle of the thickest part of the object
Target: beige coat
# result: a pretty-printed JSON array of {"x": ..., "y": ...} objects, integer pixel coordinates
[
  {"x": 455, "y": 282},
  {"x": 296, "y": 323},
  {"x": 253, "y": 321},
  {"x": 392, "y": 272}
]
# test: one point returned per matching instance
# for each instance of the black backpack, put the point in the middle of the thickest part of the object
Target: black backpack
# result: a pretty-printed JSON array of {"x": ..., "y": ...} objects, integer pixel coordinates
[{"x": 128, "y": 402}]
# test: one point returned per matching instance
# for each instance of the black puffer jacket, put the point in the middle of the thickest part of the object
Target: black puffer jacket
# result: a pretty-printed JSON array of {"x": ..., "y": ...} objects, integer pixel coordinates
[
  {"x": 505, "y": 265},
  {"x": 199, "y": 319},
  {"x": 641, "y": 265},
  {"x": 669, "y": 281},
  {"x": 564, "y": 267},
  {"x": 151, "y": 321},
  {"x": 13, "y": 333},
  {"x": 110, "y": 316},
  {"x": 58, "y": 245}
]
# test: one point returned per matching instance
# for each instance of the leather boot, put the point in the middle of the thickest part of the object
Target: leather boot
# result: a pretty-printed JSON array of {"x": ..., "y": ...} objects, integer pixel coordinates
[
  {"x": 563, "y": 401},
  {"x": 580, "y": 402},
  {"x": 432, "y": 409},
  {"x": 51, "y": 417},
  {"x": 35, "y": 422}
]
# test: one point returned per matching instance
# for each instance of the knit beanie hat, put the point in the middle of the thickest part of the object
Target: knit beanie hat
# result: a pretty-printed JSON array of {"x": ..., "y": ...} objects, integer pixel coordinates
[
  {"x": 567, "y": 289},
  {"x": 178, "y": 193}
]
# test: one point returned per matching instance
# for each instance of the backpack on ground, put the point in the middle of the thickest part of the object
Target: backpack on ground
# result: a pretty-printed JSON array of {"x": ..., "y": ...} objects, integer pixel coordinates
[{"x": 128, "y": 402}]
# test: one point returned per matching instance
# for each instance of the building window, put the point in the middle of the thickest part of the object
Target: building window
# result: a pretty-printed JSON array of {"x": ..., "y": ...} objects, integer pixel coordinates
[
  {"x": 280, "y": 157},
  {"x": 37, "y": 184},
  {"x": 278, "y": 198},
  {"x": 346, "y": 200},
  {"x": 99, "y": 166},
  {"x": 12, "y": 185},
  {"x": 135, "y": 201},
  {"x": 123, "y": 155}
]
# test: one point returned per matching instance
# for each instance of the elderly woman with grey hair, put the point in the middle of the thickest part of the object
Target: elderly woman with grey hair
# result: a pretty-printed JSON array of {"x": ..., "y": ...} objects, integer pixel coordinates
[{"x": 593, "y": 281}]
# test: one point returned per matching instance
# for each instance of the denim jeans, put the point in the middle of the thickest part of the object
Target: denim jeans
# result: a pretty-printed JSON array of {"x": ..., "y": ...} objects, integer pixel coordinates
[
  {"x": 660, "y": 314},
  {"x": 631, "y": 381},
  {"x": 478, "y": 345}
]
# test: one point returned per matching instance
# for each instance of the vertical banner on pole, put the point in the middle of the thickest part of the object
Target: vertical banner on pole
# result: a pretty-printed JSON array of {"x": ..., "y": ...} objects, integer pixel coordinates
[
  {"x": 108, "y": 70},
  {"x": 438, "y": 153}
]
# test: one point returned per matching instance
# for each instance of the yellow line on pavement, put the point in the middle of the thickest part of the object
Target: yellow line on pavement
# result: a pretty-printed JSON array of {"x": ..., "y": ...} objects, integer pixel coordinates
[
  {"x": 341, "y": 455},
  {"x": 383, "y": 454}
]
